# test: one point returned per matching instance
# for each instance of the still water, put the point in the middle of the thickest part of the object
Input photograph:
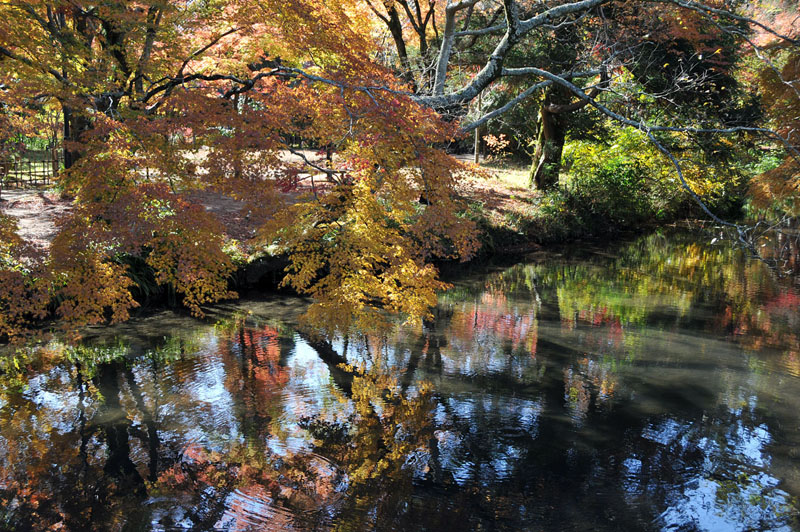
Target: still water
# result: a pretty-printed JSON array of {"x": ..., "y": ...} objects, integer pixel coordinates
[{"x": 650, "y": 385}]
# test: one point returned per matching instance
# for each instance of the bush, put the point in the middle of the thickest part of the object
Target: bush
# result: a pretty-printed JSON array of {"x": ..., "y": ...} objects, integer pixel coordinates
[
  {"x": 632, "y": 180},
  {"x": 621, "y": 185},
  {"x": 616, "y": 196}
]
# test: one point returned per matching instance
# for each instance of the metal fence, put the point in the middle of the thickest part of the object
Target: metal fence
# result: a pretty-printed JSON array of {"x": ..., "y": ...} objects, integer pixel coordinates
[{"x": 34, "y": 168}]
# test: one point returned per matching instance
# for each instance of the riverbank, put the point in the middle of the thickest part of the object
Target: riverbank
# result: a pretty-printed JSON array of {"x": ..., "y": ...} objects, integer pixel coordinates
[
  {"x": 512, "y": 221},
  {"x": 498, "y": 198}
]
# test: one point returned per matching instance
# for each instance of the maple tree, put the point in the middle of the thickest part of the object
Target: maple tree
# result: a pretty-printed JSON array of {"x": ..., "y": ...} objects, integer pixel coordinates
[
  {"x": 162, "y": 99},
  {"x": 152, "y": 96}
]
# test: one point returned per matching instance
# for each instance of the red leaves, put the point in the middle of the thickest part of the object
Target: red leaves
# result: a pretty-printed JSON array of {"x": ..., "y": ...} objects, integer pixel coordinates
[{"x": 162, "y": 104}]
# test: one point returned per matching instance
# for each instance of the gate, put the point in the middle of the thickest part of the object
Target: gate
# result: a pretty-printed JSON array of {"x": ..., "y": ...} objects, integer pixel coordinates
[{"x": 32, "y": 169}]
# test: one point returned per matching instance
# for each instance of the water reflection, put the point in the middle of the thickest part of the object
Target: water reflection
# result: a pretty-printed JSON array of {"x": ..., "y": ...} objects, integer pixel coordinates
[{"x": 652, "y": 386}]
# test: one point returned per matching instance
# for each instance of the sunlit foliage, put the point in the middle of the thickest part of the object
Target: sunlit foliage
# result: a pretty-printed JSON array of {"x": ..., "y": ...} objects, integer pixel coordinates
[
  {"x": 781, "y": 186},
  {"x": 162, "y": 100}
]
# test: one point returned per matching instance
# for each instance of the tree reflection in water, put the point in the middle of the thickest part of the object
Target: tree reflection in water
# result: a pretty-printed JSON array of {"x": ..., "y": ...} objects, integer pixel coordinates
[{"x": 650, "y": 386}]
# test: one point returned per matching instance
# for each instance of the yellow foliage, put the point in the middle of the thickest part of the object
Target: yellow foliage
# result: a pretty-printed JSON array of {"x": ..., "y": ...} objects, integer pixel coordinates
[
  {"x": 365, "y": 244},
  {"x": 390, "y": 426},
  {"x": 23, "y": 294},
  {"x": 198, "y": 96}
]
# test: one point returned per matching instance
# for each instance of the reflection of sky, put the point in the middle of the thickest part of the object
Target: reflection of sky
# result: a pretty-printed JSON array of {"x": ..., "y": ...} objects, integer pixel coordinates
[
  {"x": 503, "y": 463},
  {"x": 54, "y": 392},
  {"x": 213, "y": 407},
  {"x": 731, "y": 491},
  {"x": 246, "y": 512},
  {"x": 306, "y": 394},
  {"x": 664, "y": 433},
  {"x": 632, "y": 479},
  {"x": 482, "y": 357},
  {"x": 499, "y": 429},
  {"x": 705, "y": 505}
]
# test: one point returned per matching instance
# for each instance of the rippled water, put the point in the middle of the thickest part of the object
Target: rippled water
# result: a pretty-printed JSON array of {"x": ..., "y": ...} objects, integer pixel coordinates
[{"x": 653, "y": 385}]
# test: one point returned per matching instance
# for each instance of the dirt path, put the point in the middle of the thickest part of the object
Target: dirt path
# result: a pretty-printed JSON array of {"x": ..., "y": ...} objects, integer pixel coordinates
[{"x": 37, "y": 211}]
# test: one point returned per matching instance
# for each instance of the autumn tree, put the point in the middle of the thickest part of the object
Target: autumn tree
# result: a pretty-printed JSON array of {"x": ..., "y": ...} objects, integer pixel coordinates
[
  {"x": 780, "y": 186},
  {"x": 165, "y": 99},
  {"x": 149, "y": 93}
]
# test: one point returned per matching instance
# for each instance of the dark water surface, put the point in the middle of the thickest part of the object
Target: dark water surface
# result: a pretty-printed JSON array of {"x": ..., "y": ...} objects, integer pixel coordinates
[{"x": 653, "y": 385}]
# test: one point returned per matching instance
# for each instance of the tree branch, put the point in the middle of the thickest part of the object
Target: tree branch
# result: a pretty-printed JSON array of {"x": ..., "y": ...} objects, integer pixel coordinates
[
  {"x": 154, "y": 15},
  {"x": 25, "y": 61},
  {"x": 515, "y": 30},
  {"x": 520, "y": 98},
  {"x": 205, "y": 48},
  {"x": 447, "y": 43}
]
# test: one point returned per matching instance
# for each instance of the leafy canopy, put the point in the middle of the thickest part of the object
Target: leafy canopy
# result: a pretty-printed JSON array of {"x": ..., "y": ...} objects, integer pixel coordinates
[{"x": 165, "y": 99}]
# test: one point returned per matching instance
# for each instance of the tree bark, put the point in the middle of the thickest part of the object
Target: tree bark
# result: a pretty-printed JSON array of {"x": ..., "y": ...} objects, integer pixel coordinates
[
  {"x": 478, "y": 131},
  {"x": 396, "y": 28},
  {"x": 546, "y": 164},
  {"x": 553, "y": 117},
  {"x": 75, "y": 125}
]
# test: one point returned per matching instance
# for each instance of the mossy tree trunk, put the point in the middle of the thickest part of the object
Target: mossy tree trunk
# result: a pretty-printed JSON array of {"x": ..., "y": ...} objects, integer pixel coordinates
[
  {"x": 553, "y": 121},
  {"x": 546, "y": 164}
]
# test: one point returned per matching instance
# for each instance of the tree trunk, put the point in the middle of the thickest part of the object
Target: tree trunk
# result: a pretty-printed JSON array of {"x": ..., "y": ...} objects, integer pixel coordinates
[
  {"x": 478, "y": 131},
  {"x": 75, "y": 125},
  {"x": 477, "y": 145},
  {"x": 546, "y": 164},
  {"x": 396, "y": 29}
]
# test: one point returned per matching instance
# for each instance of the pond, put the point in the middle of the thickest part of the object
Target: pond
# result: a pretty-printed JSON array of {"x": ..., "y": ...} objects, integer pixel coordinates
[{"x": 648, "y": 385}]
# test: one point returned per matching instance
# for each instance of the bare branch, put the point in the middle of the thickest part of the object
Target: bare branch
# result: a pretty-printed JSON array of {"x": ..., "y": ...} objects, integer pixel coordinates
[
  {"x": 447, "y": 42},
  {"x": 327, "y": 171},
  {"x": 205, "y": 48},
  {"x": 703, "y": 8},
  {"x": 524, "y": 95},
  {"x": 555, "y": 13},
  {"x": 643, "y": 126},
  {"x": 377, "y": 13},
  {"x": 527, "y": 93},
  {"x": 497, "y": 28},
  {"x": 515, "y": 30}
]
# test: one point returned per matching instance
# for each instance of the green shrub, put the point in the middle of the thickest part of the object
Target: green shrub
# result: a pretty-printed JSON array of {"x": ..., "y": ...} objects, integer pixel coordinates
[{"x": 616, "y": 195}]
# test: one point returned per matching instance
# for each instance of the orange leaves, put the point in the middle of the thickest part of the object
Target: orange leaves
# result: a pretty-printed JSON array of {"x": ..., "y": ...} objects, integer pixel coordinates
[
  {"x": 22, "y": 296},
  {"x": 9, "y": 240},
  {"x": 781, "y": 98},
  {"x": 673, "y": 28},
  {"x": 180, "y": 242},
  {"x": 780, "y": 186},
  {"x": 88, "y": 285},
  {"x": 187, "y": 253},
  {"x": 165, "y": 100},
  {"x": 365, "y": 245}
]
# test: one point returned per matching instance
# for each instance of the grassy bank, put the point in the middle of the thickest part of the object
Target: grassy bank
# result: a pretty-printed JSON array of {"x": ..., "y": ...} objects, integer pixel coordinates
[{"x": 618, "y": 198}]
